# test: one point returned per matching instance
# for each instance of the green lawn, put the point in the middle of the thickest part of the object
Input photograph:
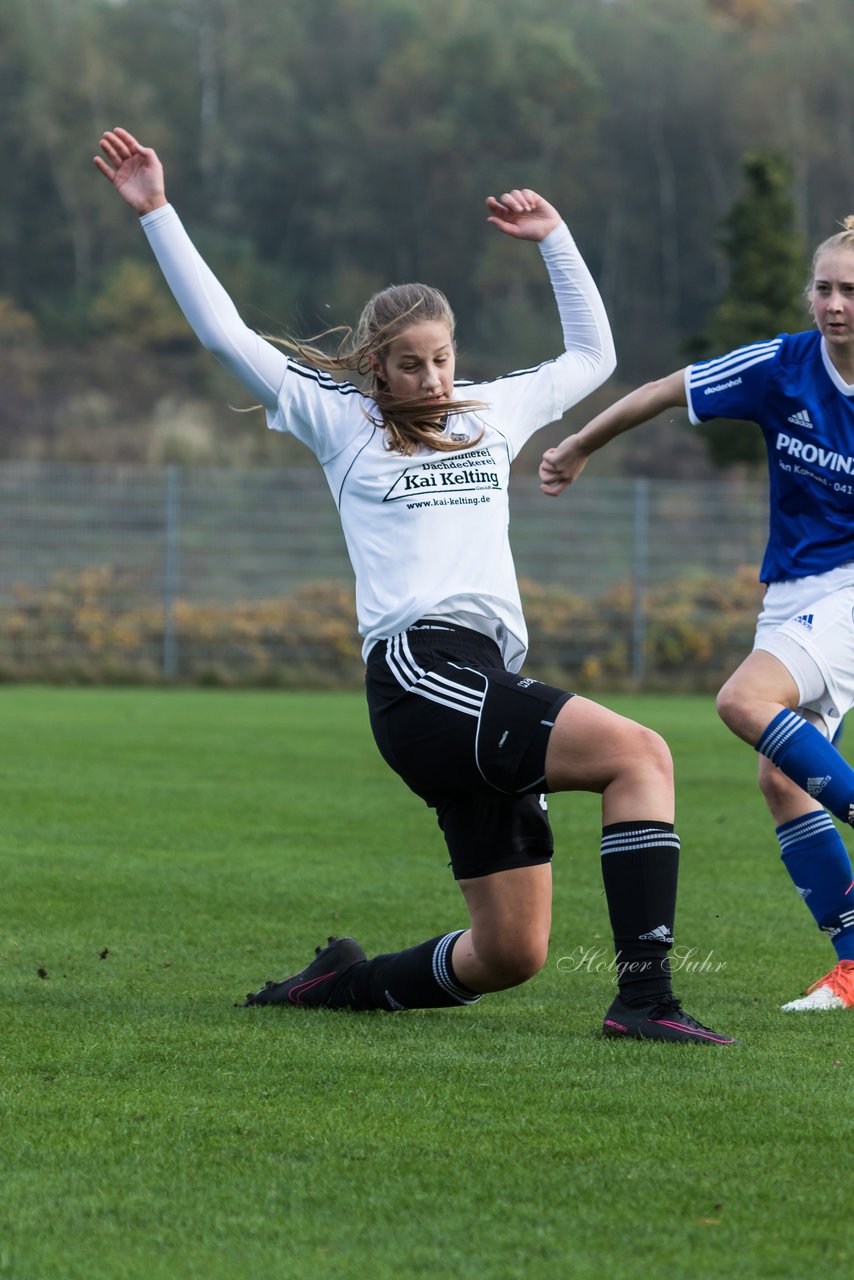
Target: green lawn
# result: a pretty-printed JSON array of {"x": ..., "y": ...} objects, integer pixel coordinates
[{"x": 165, "y": 851}]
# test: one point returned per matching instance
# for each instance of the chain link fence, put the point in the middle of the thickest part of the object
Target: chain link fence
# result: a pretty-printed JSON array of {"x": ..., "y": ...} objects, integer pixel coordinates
[{"x": 111, "y": 572}]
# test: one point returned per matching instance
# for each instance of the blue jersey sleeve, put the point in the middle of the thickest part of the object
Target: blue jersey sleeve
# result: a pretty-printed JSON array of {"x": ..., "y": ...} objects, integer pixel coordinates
[{"x": 734, "y": 385}]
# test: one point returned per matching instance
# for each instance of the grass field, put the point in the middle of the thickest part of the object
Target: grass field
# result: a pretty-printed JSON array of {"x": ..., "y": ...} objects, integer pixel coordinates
[{"x": 163, "y": 852}]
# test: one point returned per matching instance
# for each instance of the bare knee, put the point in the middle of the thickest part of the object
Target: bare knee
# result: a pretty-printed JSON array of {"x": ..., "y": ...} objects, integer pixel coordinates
[
  {"x": 754, "y": 694},
  {"x": 510, "y": 922},
  {"x": 645, "y": 755},
  {"x": 730, "y": 706},
  {"x": 743, "y": 717},
  {"x": 655, "y": 752},
  {"x": 593, "y": 749},
  {"x": 512, "y": 961}
]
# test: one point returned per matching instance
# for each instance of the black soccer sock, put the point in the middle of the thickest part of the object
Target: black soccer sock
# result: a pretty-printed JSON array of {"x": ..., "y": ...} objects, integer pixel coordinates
[
  {"x": 640, "y": 864},
  {"x": 421, "y": 977}
]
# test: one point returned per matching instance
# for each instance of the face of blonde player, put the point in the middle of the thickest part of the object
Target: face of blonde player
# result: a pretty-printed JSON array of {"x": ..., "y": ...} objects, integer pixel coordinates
[
  {"x": 419, "y": 363},
  {"x": 832, "y": 298}
]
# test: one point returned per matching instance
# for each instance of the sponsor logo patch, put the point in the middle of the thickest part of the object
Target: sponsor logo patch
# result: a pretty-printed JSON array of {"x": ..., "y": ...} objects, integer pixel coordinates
[{"x": 722, "y": 386}]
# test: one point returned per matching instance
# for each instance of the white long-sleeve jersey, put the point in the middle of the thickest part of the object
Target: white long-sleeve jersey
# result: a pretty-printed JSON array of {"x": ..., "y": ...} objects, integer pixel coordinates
[{"x": 427, "y": 534}]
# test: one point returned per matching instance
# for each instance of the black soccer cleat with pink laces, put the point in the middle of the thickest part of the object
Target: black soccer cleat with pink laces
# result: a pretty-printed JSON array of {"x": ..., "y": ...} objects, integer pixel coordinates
[
  {"x": 665, "y": 1020},
  {"x": 314, "y": 986}
]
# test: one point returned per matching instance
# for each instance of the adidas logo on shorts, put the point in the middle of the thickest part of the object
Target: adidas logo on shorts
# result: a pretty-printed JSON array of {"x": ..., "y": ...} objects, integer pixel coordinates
[{"x": 805, "y": 620}]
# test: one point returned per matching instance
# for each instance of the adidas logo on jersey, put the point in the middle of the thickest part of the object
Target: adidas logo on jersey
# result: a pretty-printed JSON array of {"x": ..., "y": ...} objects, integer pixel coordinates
[
  {"x": 815, "y": 786},
  {"x": 659, "y": 934},
  {"x": 801, "y": 419},
  {"x": 805, "y": 619}
]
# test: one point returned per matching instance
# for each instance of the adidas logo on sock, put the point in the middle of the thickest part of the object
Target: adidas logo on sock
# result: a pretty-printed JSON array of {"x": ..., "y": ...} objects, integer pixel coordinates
[
  {"x": 805, "y": 893},
  {"x": 815, "y": 786},
  {"x": 659, "y": 934},
  {"x": 801, "y": 419},
  {"x": 843, "y": 922},
  {"x": 805, "y": 619}
]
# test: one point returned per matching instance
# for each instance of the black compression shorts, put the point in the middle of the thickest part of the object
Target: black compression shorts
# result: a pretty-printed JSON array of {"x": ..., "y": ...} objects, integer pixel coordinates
[{"x": 470, "y": 738}]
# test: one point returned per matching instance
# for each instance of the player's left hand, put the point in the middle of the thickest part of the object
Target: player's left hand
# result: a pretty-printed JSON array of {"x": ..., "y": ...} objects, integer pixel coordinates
[
  {"x": 523, "y": 214},
  {"x": 134, "y": 170}
]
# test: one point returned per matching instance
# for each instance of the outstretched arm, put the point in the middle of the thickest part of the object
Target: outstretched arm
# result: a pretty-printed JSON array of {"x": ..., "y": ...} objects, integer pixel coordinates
[
  {"x": 565, "y": 463},
  {"x": 137, "y": 175},
  {"x": 546, "y": 391}
]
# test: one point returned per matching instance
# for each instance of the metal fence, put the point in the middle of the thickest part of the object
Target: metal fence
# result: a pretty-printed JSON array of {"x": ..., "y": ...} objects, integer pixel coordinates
[{"x": 135, "y": 572}]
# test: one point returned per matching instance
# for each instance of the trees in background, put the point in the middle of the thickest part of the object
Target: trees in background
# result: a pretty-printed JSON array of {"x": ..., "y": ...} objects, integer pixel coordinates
[
  {"x": 765, "y": 254},
  {"x": 319, "y": 148}
]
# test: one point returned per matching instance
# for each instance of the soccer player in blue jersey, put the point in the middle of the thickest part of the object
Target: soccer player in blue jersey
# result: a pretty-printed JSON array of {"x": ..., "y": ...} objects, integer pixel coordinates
[{"x": 789, "y": 696}]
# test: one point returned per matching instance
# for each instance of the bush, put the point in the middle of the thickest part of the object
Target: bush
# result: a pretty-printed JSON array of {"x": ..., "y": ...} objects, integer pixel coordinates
[
  {"x": 692, "y": 632},
  {"x": 134, "y": 306},
  {"x": 105, "y": 626}
]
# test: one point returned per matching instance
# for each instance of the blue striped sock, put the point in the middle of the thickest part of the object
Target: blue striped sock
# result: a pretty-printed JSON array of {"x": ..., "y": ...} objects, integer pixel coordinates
[
  {"x": 802, "y": 752},
  {"x": 818, "y": 862}
]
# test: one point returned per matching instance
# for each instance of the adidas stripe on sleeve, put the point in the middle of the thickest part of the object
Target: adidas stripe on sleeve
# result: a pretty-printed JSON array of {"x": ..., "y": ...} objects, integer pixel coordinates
[{"x": 731, "y": 386}]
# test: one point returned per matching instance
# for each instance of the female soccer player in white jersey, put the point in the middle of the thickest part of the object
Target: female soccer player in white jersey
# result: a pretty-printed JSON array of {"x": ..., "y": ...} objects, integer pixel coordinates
[
  {"x": 788, "y": 698},
  {"x": 420, "y": 478}
]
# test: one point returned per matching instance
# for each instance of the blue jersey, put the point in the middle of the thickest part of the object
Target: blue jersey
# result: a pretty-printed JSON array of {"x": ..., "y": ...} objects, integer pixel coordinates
[{"x": 790, "y": 387}]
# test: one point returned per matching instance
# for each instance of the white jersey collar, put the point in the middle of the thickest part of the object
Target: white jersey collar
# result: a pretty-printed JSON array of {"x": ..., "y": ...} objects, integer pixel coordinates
[{"x": 847, "y": 388}]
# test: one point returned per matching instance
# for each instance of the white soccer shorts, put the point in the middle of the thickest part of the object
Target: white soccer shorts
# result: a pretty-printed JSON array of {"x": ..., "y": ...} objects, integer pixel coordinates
[{"x": 808, "y": 623}]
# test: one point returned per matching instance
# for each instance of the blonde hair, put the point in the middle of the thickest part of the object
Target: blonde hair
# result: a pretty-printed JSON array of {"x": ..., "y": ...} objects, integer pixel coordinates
[
  {"x": 843, "y": 239},
  {"x": 409, "y": 424}
]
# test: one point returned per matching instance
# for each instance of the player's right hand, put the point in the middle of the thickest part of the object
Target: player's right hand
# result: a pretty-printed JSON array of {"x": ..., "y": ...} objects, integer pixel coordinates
[{"x": 561, "y": 466}]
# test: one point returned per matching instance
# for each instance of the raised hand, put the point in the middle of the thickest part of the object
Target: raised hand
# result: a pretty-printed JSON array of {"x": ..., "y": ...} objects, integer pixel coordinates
[
  {"x": 561, "y": 465},
  {"x": 134, "y": 170},
  {"x": 523, "y": 214}
]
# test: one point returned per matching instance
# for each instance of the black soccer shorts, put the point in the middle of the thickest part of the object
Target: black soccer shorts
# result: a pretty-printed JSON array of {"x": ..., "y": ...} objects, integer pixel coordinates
[{"x": 469, "y": 738}]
